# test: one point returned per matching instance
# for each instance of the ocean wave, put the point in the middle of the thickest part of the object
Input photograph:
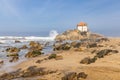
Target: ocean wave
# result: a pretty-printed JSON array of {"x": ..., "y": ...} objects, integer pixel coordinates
[{"x": 12, "y": 39}]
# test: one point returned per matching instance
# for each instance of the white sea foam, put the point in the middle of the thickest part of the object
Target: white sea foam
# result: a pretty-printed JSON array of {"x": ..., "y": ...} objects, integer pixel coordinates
[{"x": 12, "y": 39}]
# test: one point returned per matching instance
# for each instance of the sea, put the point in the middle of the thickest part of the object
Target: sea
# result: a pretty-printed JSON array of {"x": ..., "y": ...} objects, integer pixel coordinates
[{"x": 10, "y": 41}]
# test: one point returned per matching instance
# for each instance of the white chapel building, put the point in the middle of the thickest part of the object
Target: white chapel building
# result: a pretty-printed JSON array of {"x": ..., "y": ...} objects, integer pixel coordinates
[{"x": 82, "y": 27}]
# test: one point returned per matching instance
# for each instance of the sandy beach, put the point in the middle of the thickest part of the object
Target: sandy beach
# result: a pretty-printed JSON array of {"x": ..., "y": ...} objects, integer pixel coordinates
[{"x": 107, "y": 68}]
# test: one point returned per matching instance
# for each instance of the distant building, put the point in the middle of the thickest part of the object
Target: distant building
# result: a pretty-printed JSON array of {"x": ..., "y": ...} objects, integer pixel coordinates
[{"x": 82, "y": 27}]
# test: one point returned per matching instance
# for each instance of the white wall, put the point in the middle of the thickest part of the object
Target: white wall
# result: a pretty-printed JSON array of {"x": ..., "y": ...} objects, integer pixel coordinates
[{"x": 82, "y": 28}]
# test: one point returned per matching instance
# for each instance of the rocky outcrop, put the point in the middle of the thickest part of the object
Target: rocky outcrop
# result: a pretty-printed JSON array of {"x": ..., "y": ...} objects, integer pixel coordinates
[
  {"x": 33, "y": 53},
  {"x": 13, "y": 50},
  {"x": 69, "y": 35},
  {"x": 31, "y": 71},
  {"x": 55, "y": 56},
  {"x": 99, "y": 54},
  {"x": 14, "y": 59},
  {"x": 1, "y": 62},
  {"x": 17, "y": 41},
  {"x": 74, "y": 76},
  {"x": 88, "y": 60},
  {"x": 105, "y": 52},
  {"x": 77, "y": 35},
  {"x": 60, "y": 46},
  {"x": 24, "y": 47},
  {"x": 35, "y": 46}
]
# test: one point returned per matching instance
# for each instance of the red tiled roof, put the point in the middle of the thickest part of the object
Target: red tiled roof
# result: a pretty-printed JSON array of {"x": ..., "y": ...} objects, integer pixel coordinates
[{"x": 82, "y": 24}]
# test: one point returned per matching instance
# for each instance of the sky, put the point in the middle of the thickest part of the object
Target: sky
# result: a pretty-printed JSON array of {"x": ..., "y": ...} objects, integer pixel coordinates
[{"x": 37, "y": 17}]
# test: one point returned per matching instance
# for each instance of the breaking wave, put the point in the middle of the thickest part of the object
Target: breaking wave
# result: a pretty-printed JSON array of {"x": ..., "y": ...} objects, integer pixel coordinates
[{"x": 12, "y": 39}]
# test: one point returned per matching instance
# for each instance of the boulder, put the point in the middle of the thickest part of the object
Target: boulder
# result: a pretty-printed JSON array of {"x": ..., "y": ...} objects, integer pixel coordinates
[
  {"x": 14, "y": 59},
  {"x": 52, "y": 56},
  {"x": 74, "y": 76},
  {"x": 88, "y": 60},
  {"x": 82, "y": 75},
  {"x": 31, "y": 71},
  {"x": 1, "y": 62},
  {"x": 33, "y": 53},
  {"x": 55, "y": 56},
  {"x": 70, "y": 76},
  {"x": 13, "y": 50},
  {"x": 105, "y": 52},
  {"x": 76, "y": 44},
  {"x": 12, "y": 54},
  {"x": 69, "y": 35},
  {"x": 92, "y": 45},
  {"x": 103, "y": 39},
  {"x": 17, "y": 41},
  {"x": 35, "y": 46},
  {"x": 24, "y": 47},
  {"x": 59, "y": 46}
]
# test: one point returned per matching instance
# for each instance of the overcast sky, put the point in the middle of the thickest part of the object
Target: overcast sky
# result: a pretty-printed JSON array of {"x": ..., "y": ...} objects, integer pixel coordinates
[{"x": 102, "y": 16}]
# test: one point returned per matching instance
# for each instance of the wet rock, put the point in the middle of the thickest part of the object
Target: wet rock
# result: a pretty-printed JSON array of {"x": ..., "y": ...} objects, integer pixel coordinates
[
  {"x": 35, "y": 46},
  {"x": 24, "y": 47},
  {"x": 33, "y": 53},
  {"x": 88, "y": 60},
  {"x": 12, "y": 54},
  {"x": 17, "y": 41},
  {"x": 13, "y": 50},
  {"x": 14, "y": 59},
  {"x": 105, "y": 52},
  {"x": 1, "y": 62}
]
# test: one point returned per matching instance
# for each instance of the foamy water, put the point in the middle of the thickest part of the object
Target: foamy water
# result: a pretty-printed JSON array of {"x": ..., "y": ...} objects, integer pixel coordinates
[{"x": 9, "y": 41}]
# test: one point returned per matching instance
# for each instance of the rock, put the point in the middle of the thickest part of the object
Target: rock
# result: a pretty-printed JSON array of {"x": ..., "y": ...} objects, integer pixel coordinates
[
  {"x": 59, "y": 46},
  {"x": 105, "y": 52},
  {"x": 35, "y": 46},
  {"x": 74, "y": 76},
  {"x": 95, "y": 36},
  {"x": 91, "y": 45},
  {"x": 31, "y": 71},
  {"x": 14, "y": 59},
  {"x": 1, "y": 62},
  {"x": 34, "y": 53},
  {"x": 75, "y": 44},
  {"x": 82, "y": 75},
  {"x": 70, "y": 76},
  {"x": 12, "y": 54},
  {"x": 88, "y": 60},
  {"x": 39, "y": 61},
  {"x": 24, "y": 47},
  {"x": 69, "y": 35},
  {"x": 17, "y": 41},
  {"x": 52, "y": 56},
  {"x": 103, "y": 39},
  {"x": 13, "y": 50}
]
